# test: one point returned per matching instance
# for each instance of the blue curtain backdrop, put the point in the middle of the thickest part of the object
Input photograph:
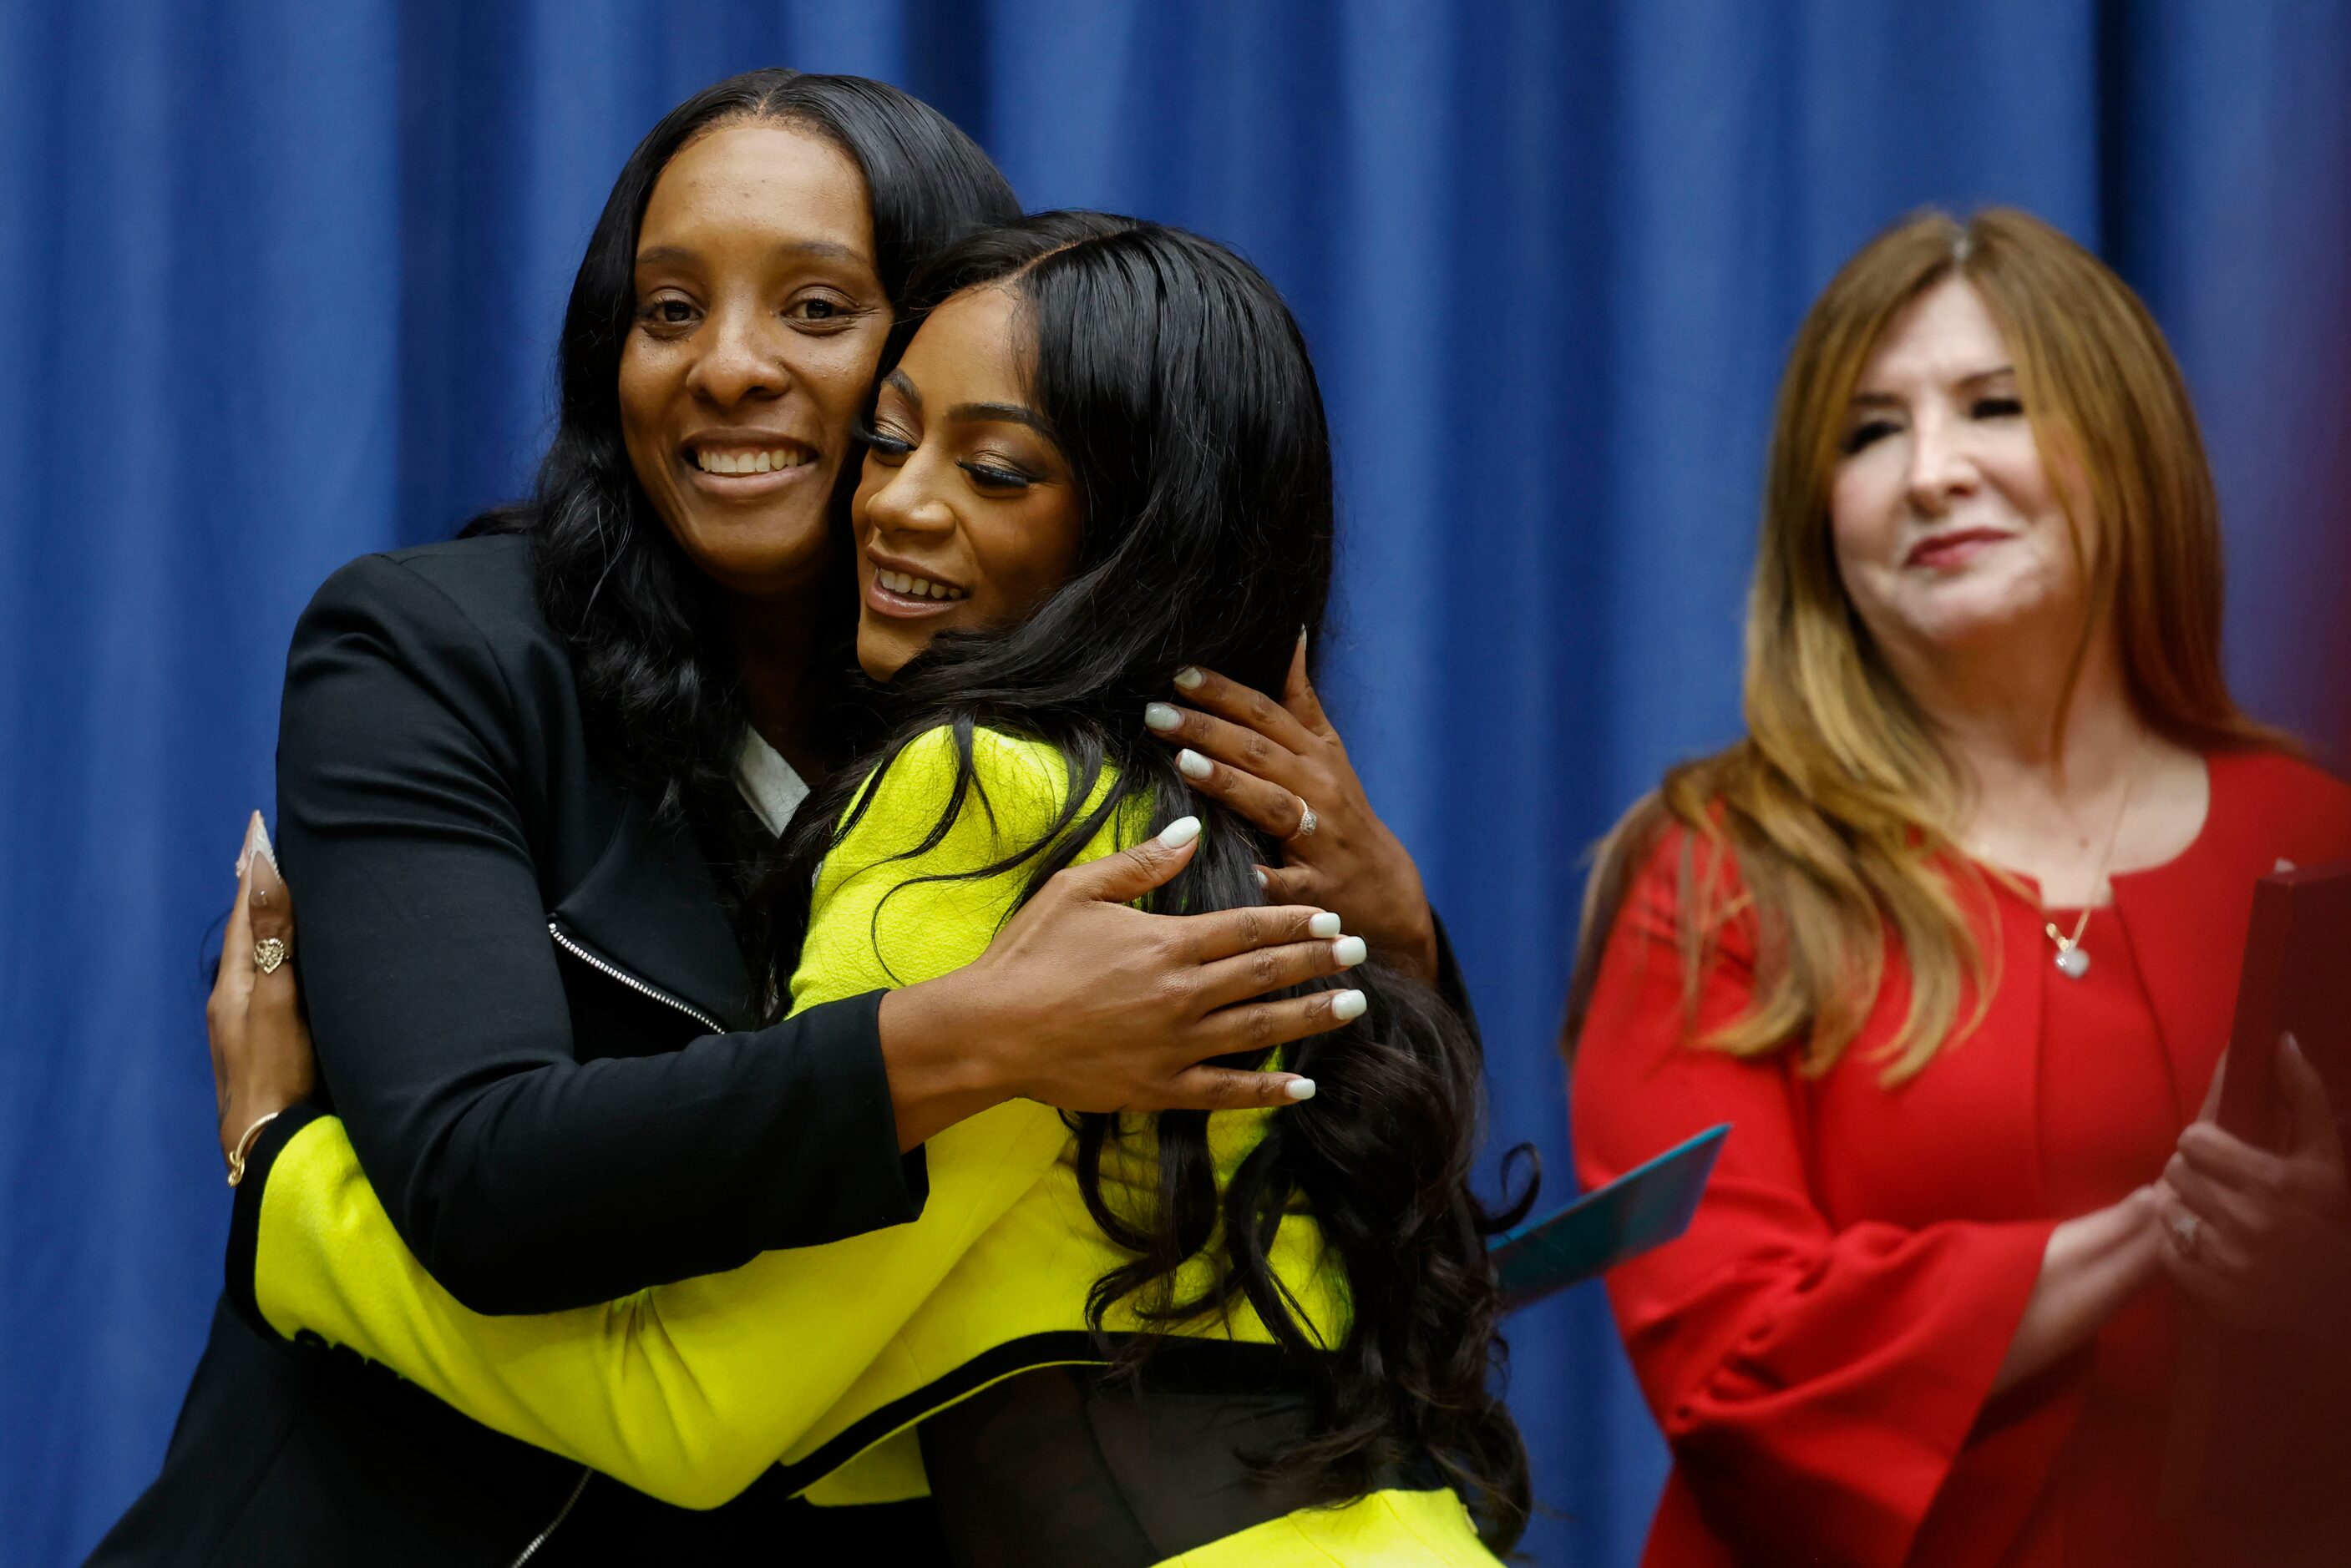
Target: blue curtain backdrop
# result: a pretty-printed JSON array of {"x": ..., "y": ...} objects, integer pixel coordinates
[{"x": 281, "y": 279}]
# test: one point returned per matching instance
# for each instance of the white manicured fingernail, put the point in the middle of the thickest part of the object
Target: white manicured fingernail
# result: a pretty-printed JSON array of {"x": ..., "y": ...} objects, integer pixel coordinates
[
  {"x": 1350, "y": 951},
  {"x": 261, "y": 841},
  {"x": 1325, "y": 924},
  {"x": 1179, "y": 833},
  {"x": 1188, "y": 679},
  {"x": 1261, "y": 883},
  {"x": 1349, "y": 1004},
  {"x": 1191, "y": 765},
  {"x": 1298, "y": 1088},
  {"x": 1161, "y": 716}
]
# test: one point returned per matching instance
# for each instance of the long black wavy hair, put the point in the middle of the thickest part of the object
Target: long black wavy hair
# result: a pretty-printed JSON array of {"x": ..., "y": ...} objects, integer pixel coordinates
[
  {"x": 658, "y": 684},
  {"x": 1178, "y": 386}
]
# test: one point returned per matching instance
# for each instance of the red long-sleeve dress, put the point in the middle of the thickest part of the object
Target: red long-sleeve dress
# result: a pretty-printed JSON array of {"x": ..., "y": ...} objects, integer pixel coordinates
[{"x": 1820, "y": 1346}]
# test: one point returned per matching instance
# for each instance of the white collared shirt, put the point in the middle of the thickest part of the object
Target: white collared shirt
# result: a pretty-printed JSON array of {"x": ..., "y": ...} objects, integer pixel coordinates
[{"x": 770, "y": 784}]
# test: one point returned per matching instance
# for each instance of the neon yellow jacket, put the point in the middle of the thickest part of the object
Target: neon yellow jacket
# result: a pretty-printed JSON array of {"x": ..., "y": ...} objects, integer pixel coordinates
[{"x": 820, "y": 1359}]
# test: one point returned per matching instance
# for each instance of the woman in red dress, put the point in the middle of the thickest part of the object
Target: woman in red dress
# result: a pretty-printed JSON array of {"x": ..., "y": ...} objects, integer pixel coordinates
[{"x": 1950, "y": 937}]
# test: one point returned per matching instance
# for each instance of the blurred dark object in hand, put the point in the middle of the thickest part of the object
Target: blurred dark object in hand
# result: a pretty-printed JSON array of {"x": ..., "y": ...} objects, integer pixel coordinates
[{"x": 2260, "y": 1443}]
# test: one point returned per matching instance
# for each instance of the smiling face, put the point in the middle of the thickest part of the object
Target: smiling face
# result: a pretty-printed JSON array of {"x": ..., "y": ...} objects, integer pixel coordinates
[
  {"x": 967, "y": 514},
  {"x": 1948, "y": 530},
  {"x": 758, "y": 322}
]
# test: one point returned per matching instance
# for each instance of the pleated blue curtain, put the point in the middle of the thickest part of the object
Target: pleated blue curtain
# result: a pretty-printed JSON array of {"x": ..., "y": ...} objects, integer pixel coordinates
[{"x": 282, "y": 281}]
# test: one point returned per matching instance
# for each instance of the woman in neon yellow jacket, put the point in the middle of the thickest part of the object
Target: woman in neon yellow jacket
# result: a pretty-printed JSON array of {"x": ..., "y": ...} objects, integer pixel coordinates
[{"x": 1097, "y": 447}]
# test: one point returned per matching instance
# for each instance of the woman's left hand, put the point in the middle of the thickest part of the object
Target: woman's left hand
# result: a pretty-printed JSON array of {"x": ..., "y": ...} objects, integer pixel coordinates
[
  {"x": 262, "y": 1059},
  {"x": 1271, "y": 760},
  {"x": 2262, "y": 1238}
]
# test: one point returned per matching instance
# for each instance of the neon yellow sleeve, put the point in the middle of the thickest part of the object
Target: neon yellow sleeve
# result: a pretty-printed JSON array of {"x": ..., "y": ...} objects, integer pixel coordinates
[{"x": 688, "y": 1391}]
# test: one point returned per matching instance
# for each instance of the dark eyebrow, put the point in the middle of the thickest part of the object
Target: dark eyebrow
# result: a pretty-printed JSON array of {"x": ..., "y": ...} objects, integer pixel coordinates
[
  {"x": 1001, "y": 413},
  {"x": 905, "y": 387},
  {"x": 822, "y": 249}
]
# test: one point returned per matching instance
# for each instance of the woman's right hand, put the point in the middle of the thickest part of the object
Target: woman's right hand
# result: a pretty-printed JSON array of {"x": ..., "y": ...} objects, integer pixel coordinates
[
  {"x": 262, "y": 1059},
  {"x": 1085, "y": 1004}
]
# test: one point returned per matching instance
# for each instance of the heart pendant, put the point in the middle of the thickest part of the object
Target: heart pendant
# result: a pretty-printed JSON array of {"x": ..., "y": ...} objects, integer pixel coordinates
[{"x": 2072, "y": 963}]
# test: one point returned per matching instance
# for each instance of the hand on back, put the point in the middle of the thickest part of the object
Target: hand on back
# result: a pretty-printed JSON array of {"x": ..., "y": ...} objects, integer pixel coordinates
[
  {"x": 1274, "y": 762},
  {"x": 1085, "y": 1004},
  {"x": 262, "y": 1059},
  {"x": 1082, "y": 1002}
]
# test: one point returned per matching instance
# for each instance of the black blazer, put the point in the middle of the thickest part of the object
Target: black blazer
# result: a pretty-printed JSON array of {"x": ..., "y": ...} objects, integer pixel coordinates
[{"x": 533, "y": 1017}]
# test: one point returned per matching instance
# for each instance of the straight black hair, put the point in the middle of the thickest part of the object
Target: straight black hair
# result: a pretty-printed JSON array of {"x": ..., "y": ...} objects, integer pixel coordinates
[
  {"x": 1179, "y": 389},
  {"x": 658, "y": 685}
]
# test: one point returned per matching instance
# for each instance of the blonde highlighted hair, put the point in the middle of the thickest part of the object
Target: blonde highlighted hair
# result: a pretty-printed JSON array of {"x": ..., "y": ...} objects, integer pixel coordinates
[{"x": 1837, "y": 808}]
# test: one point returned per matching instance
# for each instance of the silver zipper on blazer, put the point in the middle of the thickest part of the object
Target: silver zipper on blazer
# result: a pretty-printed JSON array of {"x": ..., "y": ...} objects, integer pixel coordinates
[
  {"x": 531, "y": 1551},
  {"x": 642, "y": 987},
  {"x": 611, "y": 971}
]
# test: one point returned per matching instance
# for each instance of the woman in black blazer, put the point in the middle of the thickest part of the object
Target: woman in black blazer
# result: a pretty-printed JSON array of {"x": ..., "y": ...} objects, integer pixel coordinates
[{"x": 525, "y": 783}]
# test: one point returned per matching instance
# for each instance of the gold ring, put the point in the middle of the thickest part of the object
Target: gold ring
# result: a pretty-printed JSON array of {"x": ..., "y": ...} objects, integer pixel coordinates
[
  {"x": 268, "y": 954},
  {"x": 1307, "y": 821}
]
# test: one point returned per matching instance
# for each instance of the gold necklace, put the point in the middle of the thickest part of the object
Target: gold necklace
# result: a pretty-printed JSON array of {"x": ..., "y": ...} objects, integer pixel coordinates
[{"x": 2072, "y": 960}]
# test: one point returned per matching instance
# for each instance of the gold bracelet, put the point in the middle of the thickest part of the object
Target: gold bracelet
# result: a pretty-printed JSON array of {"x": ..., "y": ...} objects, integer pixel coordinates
[{"x": 244, "y": 1147}]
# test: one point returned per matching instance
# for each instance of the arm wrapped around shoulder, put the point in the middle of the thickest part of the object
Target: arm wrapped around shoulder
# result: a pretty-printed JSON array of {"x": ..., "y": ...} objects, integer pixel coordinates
[
  {"x": 420, "y": 741},
  {"x": 690, "y": 1390}
]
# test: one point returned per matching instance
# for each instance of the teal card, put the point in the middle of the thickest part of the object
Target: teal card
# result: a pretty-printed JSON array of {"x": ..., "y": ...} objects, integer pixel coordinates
[{"x": 1647, "y": 1207}]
